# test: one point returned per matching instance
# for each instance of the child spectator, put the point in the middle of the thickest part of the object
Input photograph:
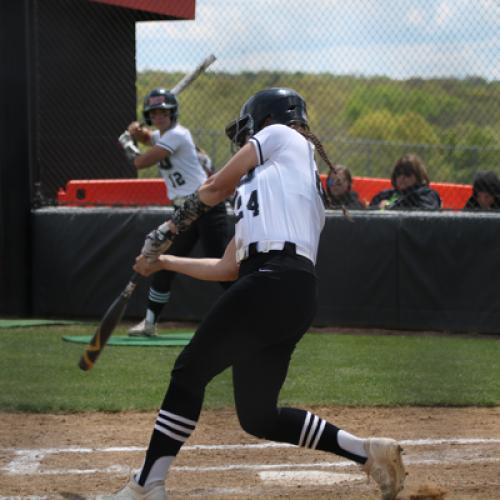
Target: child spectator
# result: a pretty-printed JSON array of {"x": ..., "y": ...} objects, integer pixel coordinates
[{"x": 339, "y": 192}]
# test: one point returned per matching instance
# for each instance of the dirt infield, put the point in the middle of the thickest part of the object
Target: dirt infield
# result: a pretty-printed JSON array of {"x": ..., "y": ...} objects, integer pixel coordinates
[{"x": 451, "y": 453}]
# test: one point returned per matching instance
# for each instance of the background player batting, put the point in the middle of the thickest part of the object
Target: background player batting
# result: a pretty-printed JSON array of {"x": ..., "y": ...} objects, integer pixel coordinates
[
  {"x": 256, "y": 324},
  {"x": 182, "y": 169}
]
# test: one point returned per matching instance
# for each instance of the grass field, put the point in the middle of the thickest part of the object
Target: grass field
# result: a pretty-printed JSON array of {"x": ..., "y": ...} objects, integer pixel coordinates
[{"x": 39, "y": 372}]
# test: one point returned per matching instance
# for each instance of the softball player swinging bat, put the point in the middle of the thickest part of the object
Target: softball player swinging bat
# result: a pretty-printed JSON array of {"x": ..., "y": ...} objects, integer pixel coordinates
[{"x": 256, "y": 324}]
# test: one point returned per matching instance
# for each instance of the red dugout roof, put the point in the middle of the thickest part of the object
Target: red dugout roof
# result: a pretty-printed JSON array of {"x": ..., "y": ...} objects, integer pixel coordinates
[{"x": 181, "y": 9}]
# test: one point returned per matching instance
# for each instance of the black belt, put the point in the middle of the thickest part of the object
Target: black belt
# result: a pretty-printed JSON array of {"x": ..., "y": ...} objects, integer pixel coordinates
[{"x": 289, "y": 248}]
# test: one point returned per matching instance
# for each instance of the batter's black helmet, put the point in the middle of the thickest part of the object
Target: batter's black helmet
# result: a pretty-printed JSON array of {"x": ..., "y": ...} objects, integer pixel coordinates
[
  {"x": 160, "y": 98},
  {"x": 279, "y": 104}
]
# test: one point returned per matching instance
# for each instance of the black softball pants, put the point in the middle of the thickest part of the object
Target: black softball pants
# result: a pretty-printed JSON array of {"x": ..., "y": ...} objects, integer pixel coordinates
[{"x": 253, "y": 328}]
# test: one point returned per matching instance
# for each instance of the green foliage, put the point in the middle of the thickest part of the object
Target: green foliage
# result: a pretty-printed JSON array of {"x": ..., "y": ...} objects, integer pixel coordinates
[
  {"x": 365, "y": 123},
  {"x": 39, "y": 372},
  {"x": 425, "y": 98},
  {"x": 469, "y": 146},
  {"x": 383, "y": 125}
]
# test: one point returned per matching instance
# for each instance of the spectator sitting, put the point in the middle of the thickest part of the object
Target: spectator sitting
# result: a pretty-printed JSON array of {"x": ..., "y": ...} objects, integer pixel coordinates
[
  {"x": 338, "y": 190},
  {"x": 486, "y": 192},
  {"x": 411, "y": 188}
]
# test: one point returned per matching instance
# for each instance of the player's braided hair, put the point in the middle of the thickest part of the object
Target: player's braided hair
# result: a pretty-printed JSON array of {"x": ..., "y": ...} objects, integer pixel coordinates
[{"x": 304, "y": 131}]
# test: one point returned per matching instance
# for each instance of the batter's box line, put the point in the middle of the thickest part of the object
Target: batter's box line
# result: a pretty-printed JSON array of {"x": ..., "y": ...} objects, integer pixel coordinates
[
  {"x": 259, "y": 446},
  {"x": 28, "y": 461}
]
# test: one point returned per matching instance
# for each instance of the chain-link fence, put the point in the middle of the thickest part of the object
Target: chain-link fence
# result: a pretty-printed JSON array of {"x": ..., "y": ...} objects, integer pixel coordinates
[{"x": 381, "y": 79}]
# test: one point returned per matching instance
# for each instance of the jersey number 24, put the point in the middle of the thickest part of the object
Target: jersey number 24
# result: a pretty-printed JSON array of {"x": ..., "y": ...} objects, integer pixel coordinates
[{"x": 252, "y": 205}]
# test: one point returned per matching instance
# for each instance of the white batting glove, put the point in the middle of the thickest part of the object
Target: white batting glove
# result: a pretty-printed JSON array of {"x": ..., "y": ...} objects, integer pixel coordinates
[
  {"x": 157, "y": 242},
  {"x": 129, "y": 147}
]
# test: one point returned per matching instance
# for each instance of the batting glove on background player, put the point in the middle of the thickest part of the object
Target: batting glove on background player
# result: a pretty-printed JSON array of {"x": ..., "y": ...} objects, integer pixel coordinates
[
  {"x": 128, "y": 145},
  {"x": 157, "y": 242},
  {"x": 139, "y": 133}
]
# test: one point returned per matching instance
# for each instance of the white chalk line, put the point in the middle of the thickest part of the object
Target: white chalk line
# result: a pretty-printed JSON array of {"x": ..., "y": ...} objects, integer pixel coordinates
[
  {"x": 125, "y": 470},
  {"x": 259, "y": 446},
  {"x": 28, "y": 461},
  {"x": 28, "y": 497}
]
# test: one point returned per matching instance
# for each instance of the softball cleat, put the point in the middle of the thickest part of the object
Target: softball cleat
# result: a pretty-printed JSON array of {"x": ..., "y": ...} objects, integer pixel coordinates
[
  {"x": 133, "y": 491},
  {"x": 385, "y": 466},
  {"x": 143, "y": 329}
]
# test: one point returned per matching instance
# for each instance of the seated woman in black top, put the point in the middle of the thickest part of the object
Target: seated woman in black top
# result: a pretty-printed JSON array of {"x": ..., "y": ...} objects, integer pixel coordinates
[{"x": 410, "y": 188}]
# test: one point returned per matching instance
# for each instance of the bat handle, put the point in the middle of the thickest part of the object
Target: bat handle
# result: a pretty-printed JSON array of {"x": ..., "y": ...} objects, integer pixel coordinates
[{"x": 132, "y": 283}]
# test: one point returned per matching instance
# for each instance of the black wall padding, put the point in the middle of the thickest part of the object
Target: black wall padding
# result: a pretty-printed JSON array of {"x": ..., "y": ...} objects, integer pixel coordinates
[
  {"x": 422, "y": 271},
  {"x": 449, "y": 272},
  {"x": 357, "y": 271},
  {"x": 83, "y": 259}
]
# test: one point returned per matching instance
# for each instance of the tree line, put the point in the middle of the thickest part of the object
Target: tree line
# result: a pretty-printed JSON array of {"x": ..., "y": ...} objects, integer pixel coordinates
[{"x": 365, "y": 123}]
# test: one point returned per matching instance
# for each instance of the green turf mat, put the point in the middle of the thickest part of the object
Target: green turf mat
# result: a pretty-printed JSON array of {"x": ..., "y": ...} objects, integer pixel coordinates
[
  {"x": 170, "y": 339},
  {"x": 20, "y": 322}
]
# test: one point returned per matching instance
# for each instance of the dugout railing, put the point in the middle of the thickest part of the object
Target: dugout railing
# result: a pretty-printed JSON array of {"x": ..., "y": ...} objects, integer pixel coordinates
[{"x": 141, "y": 192}]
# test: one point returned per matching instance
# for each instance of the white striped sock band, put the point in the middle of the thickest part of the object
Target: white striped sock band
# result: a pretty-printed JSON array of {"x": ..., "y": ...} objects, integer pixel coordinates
[
  {"x": 174, "y": 426},
  {"x": 161, "y": 298},
  {"x": 311, "y": 431}
]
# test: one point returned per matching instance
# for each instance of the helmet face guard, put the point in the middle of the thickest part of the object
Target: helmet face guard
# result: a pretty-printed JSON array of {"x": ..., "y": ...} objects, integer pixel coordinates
[
  {"x": 239, "y": 130},
  {"x": 160, "y": 98}
]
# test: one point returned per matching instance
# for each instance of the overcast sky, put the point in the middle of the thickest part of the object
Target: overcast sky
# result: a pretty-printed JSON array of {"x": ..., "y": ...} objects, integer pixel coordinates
[{"x": 396, "y": 38}]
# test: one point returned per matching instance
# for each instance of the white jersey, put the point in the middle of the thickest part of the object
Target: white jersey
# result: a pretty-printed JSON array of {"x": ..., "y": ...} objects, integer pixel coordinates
[
  {"x": 181, "y": 170},
  {"x": 281, "y": 199}
]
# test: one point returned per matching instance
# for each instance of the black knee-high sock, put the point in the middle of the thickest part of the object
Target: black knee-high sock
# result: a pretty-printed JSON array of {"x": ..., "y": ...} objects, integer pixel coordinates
[
  {"x": 305, "y": 429},
  {"x": 156, "y": 303},
  {"x": 174, "y": 424},
  {"x": 169, "y": 434}
]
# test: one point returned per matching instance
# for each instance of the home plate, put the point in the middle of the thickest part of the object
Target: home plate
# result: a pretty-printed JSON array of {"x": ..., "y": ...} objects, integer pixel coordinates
[{"x": 308, "y": 477}]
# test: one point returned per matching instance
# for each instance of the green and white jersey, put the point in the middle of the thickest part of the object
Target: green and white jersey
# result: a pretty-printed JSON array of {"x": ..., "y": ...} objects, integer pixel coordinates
[{"x": 181, "y": 170}]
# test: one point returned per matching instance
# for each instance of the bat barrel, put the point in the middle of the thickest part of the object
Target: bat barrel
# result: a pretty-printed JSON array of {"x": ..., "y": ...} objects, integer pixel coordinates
[
  {"x": 190, "y": 77},
  {"x": 107, "y": 325},
  {"x": 85, "y": 362}
]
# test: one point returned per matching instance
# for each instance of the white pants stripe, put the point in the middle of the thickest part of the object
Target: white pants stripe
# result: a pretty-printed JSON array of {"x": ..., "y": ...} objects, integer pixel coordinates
[
  {"x": 310, "y": 435},
  {"x": 173, "y": 416},
  {"x": 159, "y": 297},
  {"x": 310, "y": 438},
  {"x": 304, "y": 428},
  {"x": 170, "y": 434},
  {"x": 319, "y": 434},
  {"x": 168, "y": 423}
]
